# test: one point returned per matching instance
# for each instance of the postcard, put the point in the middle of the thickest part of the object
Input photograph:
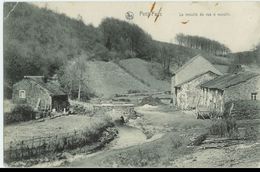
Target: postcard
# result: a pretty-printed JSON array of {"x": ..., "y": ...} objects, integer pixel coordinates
[{"x": 131, "y": 84}]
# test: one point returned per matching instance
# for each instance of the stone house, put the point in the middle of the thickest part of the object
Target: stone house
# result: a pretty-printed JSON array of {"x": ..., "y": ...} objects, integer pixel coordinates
[
  {"x": 188, "y": 92},
  {"x": 186, "y": 80},
  {"x": 230, "y": 87},
  {"x": 40, "y": 93},
  {"x": 201, "y": 85}
]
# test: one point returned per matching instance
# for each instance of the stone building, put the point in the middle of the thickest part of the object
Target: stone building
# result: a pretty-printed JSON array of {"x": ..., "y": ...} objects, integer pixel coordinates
[
  {"x": 188, "y": 92},
  {"x": 40, "y": 93},
  {"x": 230, "y": 87},
  {"x": 201, "y": 85},
  {"x": 186, "y": 80}
]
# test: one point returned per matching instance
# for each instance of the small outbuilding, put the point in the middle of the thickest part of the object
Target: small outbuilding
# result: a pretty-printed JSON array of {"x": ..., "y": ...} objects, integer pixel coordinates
[{"x": 40, "y": 93}]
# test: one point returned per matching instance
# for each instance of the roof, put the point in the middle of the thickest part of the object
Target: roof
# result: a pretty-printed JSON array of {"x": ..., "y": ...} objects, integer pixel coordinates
[
  {"x": 228, "y": 80},
  {"x": 53, "y": 87},
  {"x": 194, "y": 78},
  {"x": 191, "y": 60},
  {"x": 222, "y": 68}
]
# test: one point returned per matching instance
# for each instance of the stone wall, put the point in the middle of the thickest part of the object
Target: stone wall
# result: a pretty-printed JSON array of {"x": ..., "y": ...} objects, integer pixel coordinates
[
  {"x": 212, "y": 100},
  {"x": 190, "y": 93},
  {"x": 115, "y": 111},
  {"x": 32, "y": 92},
  {"x": 243, "y": 91}
]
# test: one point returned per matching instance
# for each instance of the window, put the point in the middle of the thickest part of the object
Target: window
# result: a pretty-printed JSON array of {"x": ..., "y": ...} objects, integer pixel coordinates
[
  {"x": 22, "y": 94},
  {"x": 253, "y": 96}
]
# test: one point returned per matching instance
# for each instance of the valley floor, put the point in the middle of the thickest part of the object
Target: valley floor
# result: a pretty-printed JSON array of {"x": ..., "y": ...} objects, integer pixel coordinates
[
  {"x": 158, "y": 137},
  {"x": 171, "y": 150}
]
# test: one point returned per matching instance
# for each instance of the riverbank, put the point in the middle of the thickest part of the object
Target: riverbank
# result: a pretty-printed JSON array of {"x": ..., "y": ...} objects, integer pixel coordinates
[
  {"x": 87, "y": 135},
  {"x": 185, "y": 142},
  {"x": 167, "y": 134}
]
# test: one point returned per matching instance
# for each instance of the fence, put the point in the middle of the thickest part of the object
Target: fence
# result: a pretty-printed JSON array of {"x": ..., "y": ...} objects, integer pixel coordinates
[{"x": 26, "y": 149}]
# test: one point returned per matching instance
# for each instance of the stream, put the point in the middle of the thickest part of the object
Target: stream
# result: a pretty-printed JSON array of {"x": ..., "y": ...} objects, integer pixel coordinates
[{"x": 127, "y": 136}]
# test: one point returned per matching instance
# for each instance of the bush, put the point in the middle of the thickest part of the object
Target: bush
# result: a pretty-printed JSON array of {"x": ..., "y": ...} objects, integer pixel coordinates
[
  {"x": 133, "y": 91},
  {"x": 243, "y": 109},
  {"x": 151, "y": 101},
  {"x": 20, "y": 113},
  {"x": 224, "y": 127}
]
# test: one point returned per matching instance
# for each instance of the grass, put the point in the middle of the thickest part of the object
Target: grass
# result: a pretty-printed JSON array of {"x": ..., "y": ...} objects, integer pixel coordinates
[
  {"x": 224, "y": 128},
  {"x": 160, "y": 152},
  {"x": 106, "y": 79},
  {"x": 147, "y": 72},
  {"x": 153, "y": 154},
  {"x": 98, "y": 133},
  {"x": 50, "y": 127}
]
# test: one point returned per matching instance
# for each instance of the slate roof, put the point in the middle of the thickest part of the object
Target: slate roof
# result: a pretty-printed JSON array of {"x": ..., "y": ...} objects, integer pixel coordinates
[
  {"x": 228, "y": 80},
  {"x": 53, "y": 87},
  {"x": 222, "y": 68}
]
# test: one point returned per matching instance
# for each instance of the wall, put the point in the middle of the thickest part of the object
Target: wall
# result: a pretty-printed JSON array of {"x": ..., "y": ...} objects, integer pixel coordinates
[
  {"x": 198, "y": 66},
  {"x": 212, "y": 100},
  {"x": 115, "y": 111},
  {"x": 33, "y": 92},
  {"x": 190, "y": 93},
  {"x": 243, "y": 90}
]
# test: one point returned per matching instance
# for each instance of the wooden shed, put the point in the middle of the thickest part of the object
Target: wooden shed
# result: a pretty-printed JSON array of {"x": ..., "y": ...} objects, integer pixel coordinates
[{"x": 40, "y": 93}]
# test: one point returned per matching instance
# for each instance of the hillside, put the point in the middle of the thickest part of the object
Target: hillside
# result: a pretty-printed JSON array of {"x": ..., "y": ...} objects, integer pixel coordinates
[
  {"x": 146, "y": 72},
  {"x": 106, "y": 79},
  {"x": 38, "y": 41},
  {"x": 247, "y": 57}
]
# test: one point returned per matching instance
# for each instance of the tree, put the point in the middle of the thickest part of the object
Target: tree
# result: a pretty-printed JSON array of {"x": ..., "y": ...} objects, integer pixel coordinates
[
  {"x": 72, "y": 75},
  {"x": 202, "y": 43},
  {"x": 127, "y": 39}
]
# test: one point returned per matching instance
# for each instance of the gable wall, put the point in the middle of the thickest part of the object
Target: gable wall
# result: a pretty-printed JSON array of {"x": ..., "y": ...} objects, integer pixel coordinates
[
  {"x": 33, "y": 93},
  {"x": 196, "y": 67},
  {"x": 190, "y": 93},
  {"x": 243, "y": 90}
]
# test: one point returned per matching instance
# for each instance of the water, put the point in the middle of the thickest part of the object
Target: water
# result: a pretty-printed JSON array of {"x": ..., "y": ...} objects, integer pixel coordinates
[{"x": 128, "y": 136}]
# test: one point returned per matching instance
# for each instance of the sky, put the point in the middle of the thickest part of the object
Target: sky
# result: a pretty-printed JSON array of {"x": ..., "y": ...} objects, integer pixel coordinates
[{"x": 237, "y": 27}]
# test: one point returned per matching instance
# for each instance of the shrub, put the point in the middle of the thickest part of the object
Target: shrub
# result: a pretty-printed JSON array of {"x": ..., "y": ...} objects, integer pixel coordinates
[
  {"x": 20, "y": 113},
  {"x": 224, "y": 127},
  {"x": 133, "y": 91},
  {"x": 243, "y": 109},
  {"x": 150, "y": 101}
]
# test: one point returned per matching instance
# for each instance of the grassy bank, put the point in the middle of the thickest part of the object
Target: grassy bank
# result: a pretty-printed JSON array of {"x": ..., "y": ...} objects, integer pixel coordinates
[{"x": 47, "y": 141}]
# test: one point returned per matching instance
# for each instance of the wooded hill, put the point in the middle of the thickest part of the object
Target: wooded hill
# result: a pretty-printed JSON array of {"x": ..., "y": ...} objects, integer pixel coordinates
[{"x": 38, "y": 41}]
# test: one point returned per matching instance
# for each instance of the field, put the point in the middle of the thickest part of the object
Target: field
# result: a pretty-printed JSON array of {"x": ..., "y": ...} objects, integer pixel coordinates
[
  {"x": 148, "y": 72},
  {"x": 49, "y": 127},
  {"x": 106, "y": 79}
]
